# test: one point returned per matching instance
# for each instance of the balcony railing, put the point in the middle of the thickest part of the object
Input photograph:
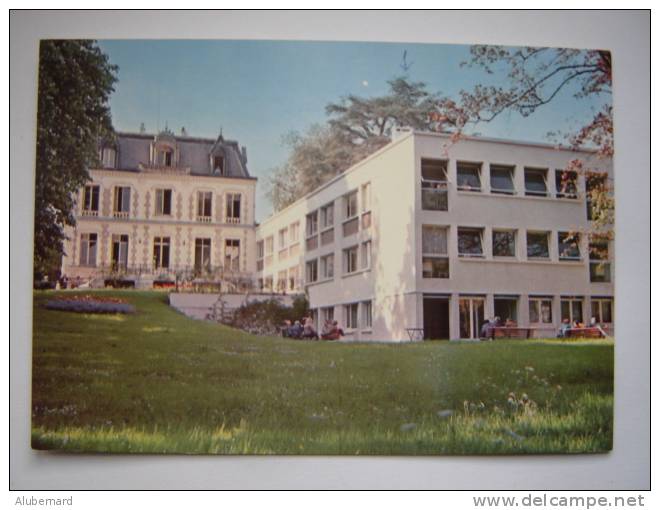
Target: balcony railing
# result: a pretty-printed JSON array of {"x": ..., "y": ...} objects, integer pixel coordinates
[
  {"x": 204, "y": 219},
  {"x": 435, "y": 195},
  {"x": 121, "y": 215},
  {"x": 89, "y": 212},
  {"x": 232, "y": 219}
]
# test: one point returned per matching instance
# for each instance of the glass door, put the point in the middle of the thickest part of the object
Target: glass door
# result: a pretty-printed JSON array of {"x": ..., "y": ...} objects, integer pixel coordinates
[{"x": 471, "y": 311}]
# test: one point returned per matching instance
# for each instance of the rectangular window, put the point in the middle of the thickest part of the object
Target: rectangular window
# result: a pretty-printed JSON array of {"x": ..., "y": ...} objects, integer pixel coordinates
[
  {"x": 328, "y": 313},
  {"x": 504, "y": 243},
  {"x": 202, "y": 254},
  {"x": 233, "y": 208},
  {"x": 88, "y": 243},
  {"x": 163, "y": 202},
  {"x": 281, "y": 281},
  {"x": 233, "y": 254},
  {"x": 470, "y": 242},
  {"x": 293, "y": 278},
  {"x": 501, "y": 179},
  {"x": 219, "y": 165},
  {"x": 468, "y": 176},
  {"x": 204, "y": 206},
  {"x": 312, "y": 271},
  {"x": 435, "y": 267},
  {"x": 434, "y": 185},
  {"x": 268, "y": 283},
  {"x": 283, "y": 235},
  {"x": 566, "y": 183},
  {"x": 351, "y": 316},
  {"x": 350, "y": 205},
  {"x": 435, "y": 263},
  {"x": 540, "y": 310},
  {"x": 328, "y": 266},
  {"x": 327, "y": 216},
  {"x": 571, "y": 309},
  {"x": 537, "y": 245},
  {"x": 119, "y": 252},
  {"x": 595, "y": 185},
  {"x": 108, "y": 157},
  {"x": 312, "y": 223},
  {"x": 350, "y": 260},
  {"x": 269, "y": 245},
  {"x": 365, "y": 255},
  {"x": 536, "y": 182},
  {"x": 295, "y": 232},
  {"x": 91, "y": 200},
  {"x": 121, "y": 206},
  {"x": 599, "y": 256},
  {"x": 506, "y": 308},
  {"x": 161, "y": 252},
  {"x": 569, "y": 245},
  {"x": 601, "y": 310},
  {"x": 260, "y": 249},
  {"x": 366, "y": 314}
]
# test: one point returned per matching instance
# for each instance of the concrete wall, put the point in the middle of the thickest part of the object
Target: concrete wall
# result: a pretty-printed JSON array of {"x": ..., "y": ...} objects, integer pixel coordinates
[{"x": 395, "y": 284}]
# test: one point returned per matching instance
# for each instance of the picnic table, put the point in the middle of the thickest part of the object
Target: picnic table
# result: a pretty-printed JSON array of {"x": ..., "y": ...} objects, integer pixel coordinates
[{"x": 585, "y": 333}]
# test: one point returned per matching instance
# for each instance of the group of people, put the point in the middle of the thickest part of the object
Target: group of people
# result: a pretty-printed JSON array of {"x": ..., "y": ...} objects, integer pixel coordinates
[
  {"x": 495, "y": 322},
  {"x": 304, "y": 330},
  {"x": 566, "y": 325}
]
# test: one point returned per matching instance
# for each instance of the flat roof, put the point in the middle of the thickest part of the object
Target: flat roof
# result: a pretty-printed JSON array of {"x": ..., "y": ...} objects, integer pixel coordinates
[{"x": 404, "y": 135}]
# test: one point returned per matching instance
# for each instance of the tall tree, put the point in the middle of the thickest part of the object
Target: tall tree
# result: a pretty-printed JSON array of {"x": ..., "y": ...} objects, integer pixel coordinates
[
  {"x": 356, "y": 128},
  {"x": 75, "y": 83}
]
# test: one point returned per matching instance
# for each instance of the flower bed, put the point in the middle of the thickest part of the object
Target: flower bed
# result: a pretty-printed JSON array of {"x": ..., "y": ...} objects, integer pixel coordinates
[{"x": 90, "y": 304}]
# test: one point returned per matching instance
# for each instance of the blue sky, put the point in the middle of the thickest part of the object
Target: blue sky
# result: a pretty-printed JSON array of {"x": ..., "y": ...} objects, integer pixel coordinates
[{"x": 258, "y": 91}]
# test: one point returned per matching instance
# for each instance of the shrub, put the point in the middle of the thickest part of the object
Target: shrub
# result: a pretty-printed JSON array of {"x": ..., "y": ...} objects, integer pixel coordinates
[
  {"x": 88, "y": 306},
  {"x": 267, "y": 317}
]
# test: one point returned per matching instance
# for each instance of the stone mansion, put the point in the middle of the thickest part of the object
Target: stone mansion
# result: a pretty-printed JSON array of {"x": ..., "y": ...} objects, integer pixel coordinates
[{"x": 426, "y": 233}]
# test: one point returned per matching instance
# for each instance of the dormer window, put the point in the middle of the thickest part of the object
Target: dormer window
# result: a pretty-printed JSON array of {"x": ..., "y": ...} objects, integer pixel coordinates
[
  {"x": 219, "y": 165},
  {"x": 108, "y": 157},
  {"x": 165, "y": 157}
]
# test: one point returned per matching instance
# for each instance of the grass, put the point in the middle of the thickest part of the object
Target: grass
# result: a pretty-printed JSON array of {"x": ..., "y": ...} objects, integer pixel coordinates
[{"x": 156, "y": 381}]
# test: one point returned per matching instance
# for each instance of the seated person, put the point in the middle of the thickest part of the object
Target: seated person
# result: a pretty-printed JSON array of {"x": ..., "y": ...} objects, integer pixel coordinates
[
  {"x": 308, "y": 329},
  {"x": 510, "y": 324},
  {"x": 296, "y": 330},
  {"x": 333, "y": 331},
  {"x": 285, "y": 328},
  {"x": 565, "y": 327},
  {"x": 487, "y": 328}
]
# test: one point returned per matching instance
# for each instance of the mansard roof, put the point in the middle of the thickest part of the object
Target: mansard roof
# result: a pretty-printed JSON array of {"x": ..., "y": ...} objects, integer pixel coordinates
[{"x": 133, "y": 153}]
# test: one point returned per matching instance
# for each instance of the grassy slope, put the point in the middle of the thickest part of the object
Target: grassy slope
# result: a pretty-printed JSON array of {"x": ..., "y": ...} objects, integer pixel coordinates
[{"x": 159, "y": 382}]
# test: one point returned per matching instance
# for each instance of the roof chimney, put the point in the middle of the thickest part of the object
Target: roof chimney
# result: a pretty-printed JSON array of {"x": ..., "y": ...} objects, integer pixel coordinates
[
  {"x": 183, "y": 131},
  {"x": 244, "y": 155}
]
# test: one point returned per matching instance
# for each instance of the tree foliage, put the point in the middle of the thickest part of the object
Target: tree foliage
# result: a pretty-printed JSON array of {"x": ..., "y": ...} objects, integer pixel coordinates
[
  {"x": 75, "y": 82},
  {"x": 356, "y": 128},
  {"x": 534, "y": 78}
]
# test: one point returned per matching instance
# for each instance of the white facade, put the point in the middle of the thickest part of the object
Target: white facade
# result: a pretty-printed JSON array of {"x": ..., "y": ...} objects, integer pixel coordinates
[{"x": 495, "y": 250}]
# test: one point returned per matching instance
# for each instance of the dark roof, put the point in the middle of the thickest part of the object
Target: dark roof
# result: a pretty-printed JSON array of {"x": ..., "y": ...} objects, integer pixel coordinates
[{"x": 133, "y": 151}]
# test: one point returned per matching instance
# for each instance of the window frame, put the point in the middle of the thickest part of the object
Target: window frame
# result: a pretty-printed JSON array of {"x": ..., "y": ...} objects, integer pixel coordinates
[
  {"x": 346, "y": 259},
  {"x": 544, "y": 175},
  {"x": 568, "y": 258},
  {"x": 547, "y": 234},
  {"x": 88, "y": 243},
  {"x": 511, "y": 169},
  {"x": 163, "y": 244},
  {"x": 91, "y": 200},
  {"x": 495, "y": 232},
  {"x": 480, "y": 231},
  {"x": 159, "y": 204},
  {"x": 469, "y": 165},
  {"x": 538, "y": 302}
]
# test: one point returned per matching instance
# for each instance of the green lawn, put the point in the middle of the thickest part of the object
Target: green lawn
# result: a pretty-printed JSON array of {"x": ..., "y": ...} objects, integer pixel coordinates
[{"x": 157, "y": 381}]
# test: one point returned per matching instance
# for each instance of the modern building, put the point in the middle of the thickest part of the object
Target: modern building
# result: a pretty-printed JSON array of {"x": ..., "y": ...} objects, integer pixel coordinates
[
  {"x": 432, "y": 235},
  {"x": 164, "y": 207}
]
